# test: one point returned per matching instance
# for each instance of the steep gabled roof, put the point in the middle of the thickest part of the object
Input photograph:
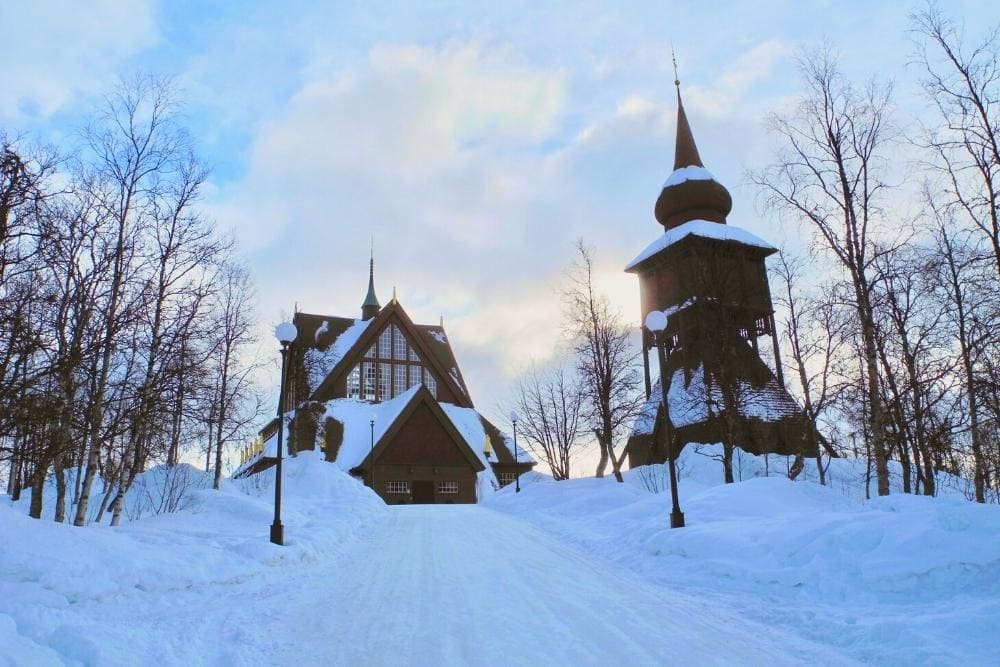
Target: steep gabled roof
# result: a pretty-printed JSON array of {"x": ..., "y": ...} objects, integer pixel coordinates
[
  {"x": 434, "y": 350},
  {"x": 395, "y": 413},
  {"x": 326, "y": 340}
]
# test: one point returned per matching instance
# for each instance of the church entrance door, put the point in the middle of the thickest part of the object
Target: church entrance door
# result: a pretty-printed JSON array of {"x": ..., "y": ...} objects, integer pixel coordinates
[{"x": 423, "y": 492}]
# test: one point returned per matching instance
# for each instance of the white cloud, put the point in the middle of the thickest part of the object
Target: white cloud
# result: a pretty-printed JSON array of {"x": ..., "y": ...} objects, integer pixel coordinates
[{"x": 54, "y": 50}]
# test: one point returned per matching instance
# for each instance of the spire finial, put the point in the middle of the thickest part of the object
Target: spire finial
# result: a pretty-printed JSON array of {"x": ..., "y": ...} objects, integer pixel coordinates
[
  {"x": 371, "y": 306},
  {"x": 394, "y": 299},
  {"x": 677, "y": 78}
]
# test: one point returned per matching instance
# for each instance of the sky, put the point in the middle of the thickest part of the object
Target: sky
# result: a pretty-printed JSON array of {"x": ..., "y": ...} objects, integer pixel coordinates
[{"x": 471, "y": 143}]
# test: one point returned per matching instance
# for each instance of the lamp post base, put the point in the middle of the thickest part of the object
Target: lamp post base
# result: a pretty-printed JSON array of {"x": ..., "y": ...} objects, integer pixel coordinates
[
  {"x": 277, "y": 533},
  {"x": 677, "y": 519}
]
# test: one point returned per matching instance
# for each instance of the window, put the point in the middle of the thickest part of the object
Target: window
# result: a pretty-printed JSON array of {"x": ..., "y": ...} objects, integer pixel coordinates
[
  {"x": 354, "y": 383},
  {"x": 430, "y": 383},
  {"x": 397, "y": 487},
  {"x": 447, "y": 487},
  {"x": 415, "y": 379},
  {"x": 385, "y": 344},
  {"x": 506, "y": 478},
  {"x": 370, "y": 354},
  {"x": 399, "y": 344},
  {"x": 399, "y": 382},
  {"x": 368, "y": 371},
  {"x": 413, "y": 355},
  {"x": 384, "y": 381}
]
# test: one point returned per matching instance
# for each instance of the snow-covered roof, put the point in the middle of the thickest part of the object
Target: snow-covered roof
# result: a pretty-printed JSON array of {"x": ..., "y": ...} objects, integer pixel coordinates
[
  {"x": 690, "y": 401},
  {"x": 703, "y": 228},
  {"x": 470, "y": 425},
  {"x": 678, "y": 176},
  {"x": 319, "y": 362},
  {"x": 356, "y": 416}
]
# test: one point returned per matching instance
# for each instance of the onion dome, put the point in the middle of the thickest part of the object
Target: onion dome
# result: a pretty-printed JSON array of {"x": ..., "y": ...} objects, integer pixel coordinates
[{"x": 691, "y": 192}]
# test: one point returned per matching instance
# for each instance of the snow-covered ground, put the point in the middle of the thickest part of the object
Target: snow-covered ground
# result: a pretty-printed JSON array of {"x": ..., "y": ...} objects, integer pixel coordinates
[{"x": 577, "y": 572}]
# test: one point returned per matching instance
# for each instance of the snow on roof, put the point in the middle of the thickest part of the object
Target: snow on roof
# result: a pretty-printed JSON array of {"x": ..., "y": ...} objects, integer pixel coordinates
[
  {"x": 319, "y": 363},
  {"x": 683, "y": 174},
  {"x": 689, "y": 403},
  {"x": 356, "y": 416},
  {"x": 703, "y": 228},
  {"x": 322, "y": 329},
  {"x": 470, "y": 425}
]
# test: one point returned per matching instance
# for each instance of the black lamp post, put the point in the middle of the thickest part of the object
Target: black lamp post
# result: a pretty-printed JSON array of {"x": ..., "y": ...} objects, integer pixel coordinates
[
  {"x": 517, "y": 476},
  {"x": 285, "y": 333},
  {"x": 371, "y": 457},
  {"x": 656, "y": 323}
]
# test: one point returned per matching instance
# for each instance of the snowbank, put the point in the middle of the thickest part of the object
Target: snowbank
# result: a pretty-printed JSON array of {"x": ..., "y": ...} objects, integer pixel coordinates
[
  {"x": 882, "y": 579},
  {"x": 50, "y": 572}
]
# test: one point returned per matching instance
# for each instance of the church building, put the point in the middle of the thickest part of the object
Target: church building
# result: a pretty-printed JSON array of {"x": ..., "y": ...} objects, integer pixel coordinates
[
  {"x": 383, "y": 398},
  {"x": 710, "y": 279}
]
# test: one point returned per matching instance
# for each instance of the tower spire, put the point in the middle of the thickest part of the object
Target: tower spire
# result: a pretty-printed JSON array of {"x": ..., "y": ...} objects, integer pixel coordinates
[
  {"x": 691, "y": 192},
  {"x": 685, "y": 150},
  {"x": 370, "y": 307}
]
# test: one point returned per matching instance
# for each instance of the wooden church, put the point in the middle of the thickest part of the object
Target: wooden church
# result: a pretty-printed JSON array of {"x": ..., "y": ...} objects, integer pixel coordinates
[
  {"x": 383, "y": 398},
  {"x": 710, "y": 279}
]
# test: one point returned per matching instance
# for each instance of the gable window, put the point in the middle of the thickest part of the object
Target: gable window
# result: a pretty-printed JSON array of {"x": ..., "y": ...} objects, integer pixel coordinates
[
  {"x": 399, "y": 381},
  {"x": 384, "y": 381},
  {"x": 415, "y": 373},
  {"x": 368, "y": 370},
  {"x": 385, "y": 344},
  {"x": 354, "y": 383},
  {"x": 388, "y": 368},
  {"x": 447, "y": 487},
  {"x": 399, "y": 346},
  {"x": 397, "y": 487}
]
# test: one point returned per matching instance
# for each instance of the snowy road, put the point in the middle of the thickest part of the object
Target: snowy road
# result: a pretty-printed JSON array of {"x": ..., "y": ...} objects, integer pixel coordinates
[
  {"x": 465, "y": 585},
  {"x": 418, "y": 585}
]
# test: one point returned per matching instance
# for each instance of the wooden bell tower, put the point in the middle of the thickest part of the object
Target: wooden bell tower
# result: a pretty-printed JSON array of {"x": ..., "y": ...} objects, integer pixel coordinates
[{"x": 710, "y": 279}]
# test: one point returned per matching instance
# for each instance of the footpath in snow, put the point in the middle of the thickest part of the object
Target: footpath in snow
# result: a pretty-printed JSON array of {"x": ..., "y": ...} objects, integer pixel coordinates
[{"x": 579, "y": 572}]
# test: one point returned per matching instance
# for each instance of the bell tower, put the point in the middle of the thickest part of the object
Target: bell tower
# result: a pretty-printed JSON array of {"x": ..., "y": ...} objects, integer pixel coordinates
[{"x": 710, "y": 279}]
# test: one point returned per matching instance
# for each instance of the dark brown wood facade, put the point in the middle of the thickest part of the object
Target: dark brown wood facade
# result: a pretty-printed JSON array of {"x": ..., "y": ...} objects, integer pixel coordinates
[{"x": 715, "y": 291}]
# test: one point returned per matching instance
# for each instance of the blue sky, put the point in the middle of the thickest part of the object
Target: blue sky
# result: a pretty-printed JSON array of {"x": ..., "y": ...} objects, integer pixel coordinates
[{"x": 474, "y": 142}]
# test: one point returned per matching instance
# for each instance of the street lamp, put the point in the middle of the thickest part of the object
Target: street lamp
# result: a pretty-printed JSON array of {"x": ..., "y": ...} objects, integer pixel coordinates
[
  {"x": 487, "y": 448},
  {"x": 517, "y": 477},
  {"x": 371, "y": 457},
  {"x": 656, "y": 323},
  {"x": 285, "y": 333}
]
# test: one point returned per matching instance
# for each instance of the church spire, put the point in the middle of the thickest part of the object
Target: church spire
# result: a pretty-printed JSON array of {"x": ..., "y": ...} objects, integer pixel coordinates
[
  {"x": 691, "y": 192},
  {"x": 370, "y": 307},
  {"x": 685, "y": 150}
]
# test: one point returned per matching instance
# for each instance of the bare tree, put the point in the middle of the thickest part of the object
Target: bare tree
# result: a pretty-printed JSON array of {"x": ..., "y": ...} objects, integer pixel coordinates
[
  {"x": 605, "y": 360},
  {"x": 828, "y": 175},
  {"x": 963, "y": 85},
  {"x": 551, "y": 411},
  {"x": 235, "y": 404},
  {"x": 813, "y": 332}
]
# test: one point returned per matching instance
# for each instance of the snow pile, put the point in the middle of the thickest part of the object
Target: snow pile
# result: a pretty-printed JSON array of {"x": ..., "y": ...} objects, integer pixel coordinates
[
  {"x": 71, "y": 595},
  {"x": 704, "y": 228},
  {"x": 897, "y": 579},
  {"x": 684, "y": 174}
]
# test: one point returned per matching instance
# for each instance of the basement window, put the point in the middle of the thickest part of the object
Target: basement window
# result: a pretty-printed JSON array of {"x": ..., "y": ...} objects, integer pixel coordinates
[
  {"x": 447, "y": 487},
  {"x": 506, "y": 478},
  {"x": 397, "y": 487}
]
